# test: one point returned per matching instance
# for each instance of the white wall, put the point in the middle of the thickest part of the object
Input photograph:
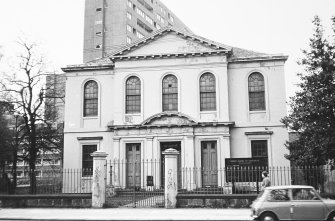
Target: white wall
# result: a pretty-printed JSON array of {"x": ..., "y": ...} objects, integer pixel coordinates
[{"x": 259, "y": 121}]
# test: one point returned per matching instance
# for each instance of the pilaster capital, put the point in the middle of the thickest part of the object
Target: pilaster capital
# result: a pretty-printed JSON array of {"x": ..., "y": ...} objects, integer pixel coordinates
[
  {"x": 116, "y": 139},
  {"x": 149, "y": 138}
]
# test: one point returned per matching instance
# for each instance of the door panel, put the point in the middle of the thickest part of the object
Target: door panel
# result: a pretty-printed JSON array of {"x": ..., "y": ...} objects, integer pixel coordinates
[
  {"x": 306, "y": 205},
  {"x": 209, "y": 163},
  {"x": 133, "y": 165}
]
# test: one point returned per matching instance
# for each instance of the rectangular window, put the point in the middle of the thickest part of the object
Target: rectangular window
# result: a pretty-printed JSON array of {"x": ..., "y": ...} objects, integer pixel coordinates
[
  {"x": 98, "y": 33},
  {"x": 130, "y": 4},
  {"x": 139, "y": 34},
  {"x": 98, "y": 9},
  {"x": 87, "y": 159},
  {"x": 19, "y": 173},
  {"x": 38, "y": 162},
  {"x": 129, "y": 28},
  {"x": 47, "y": 161},
  {"x": 129, "y": 15},
  {"x": 149, "y": 20},
  {"x": 128, "y": 40},
  {"x": 171, "y": 19},
  {"x": 140, "y": 12},
  {"x": 259, "y": 148}
]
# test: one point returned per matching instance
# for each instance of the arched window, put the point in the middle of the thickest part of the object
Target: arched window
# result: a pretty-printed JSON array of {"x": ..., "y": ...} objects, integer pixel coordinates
[
  {"x": 133, "y": 95},
  {"x": 170, "y": 93},
  {"x": 90, "y": 99},
  {"x": 207, "y": 92},
  {"x": 256, "y": 92}
]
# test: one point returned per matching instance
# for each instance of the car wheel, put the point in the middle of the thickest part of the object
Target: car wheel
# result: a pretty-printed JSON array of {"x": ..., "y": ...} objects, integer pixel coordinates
[
  {"x": 268, "y": 217},
  {"x": 331, "y": 217}
]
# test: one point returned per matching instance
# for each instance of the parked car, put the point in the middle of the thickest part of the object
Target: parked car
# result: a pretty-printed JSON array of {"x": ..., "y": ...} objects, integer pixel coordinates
[{"x": 292, "y": 203}]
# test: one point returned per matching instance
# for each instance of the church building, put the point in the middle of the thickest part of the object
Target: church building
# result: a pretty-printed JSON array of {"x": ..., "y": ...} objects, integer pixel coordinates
[{"x": 173, "y": 89}]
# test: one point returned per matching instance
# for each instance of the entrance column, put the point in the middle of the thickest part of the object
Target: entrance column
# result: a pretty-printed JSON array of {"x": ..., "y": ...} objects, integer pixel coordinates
[
  {"x": 188, "y": 169},
  {"x": 99, "y": 174},
  {"x": 171, "y": 178}
]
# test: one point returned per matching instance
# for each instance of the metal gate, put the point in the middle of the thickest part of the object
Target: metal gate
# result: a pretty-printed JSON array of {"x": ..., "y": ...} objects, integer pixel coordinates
[{"x": 134, "y": 183}]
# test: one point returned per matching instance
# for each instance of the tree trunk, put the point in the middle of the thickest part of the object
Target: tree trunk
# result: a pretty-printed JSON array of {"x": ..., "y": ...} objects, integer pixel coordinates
[{"x": 32, "y": 160}]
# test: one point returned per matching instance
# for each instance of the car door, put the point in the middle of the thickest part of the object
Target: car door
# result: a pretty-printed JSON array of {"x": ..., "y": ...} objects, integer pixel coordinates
[
  {"x": 278, "y": 201},
  {"x": 306, "y": 205}
]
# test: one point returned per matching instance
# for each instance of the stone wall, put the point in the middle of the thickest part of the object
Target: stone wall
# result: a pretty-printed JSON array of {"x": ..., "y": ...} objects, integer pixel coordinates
[{"x": 44, "y": 201}]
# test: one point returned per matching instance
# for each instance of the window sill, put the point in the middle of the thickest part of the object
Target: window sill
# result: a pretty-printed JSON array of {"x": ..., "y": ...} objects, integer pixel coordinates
[
  {"x": 135, "y": 114},
  {"x": 91, "y": 118},
  {"x": 256, "y": 112},
  {"x": 208, "y": 112}
]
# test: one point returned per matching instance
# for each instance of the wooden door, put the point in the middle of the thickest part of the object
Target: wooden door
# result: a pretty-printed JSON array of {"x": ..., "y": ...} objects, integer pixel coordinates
[
  {"x": 209, "y": 163},
  {"x": 133, "y": 165}
]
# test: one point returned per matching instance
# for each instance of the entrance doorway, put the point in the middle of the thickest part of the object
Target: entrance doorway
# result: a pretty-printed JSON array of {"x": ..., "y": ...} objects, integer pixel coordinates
[
  {"x": 133, "y": 165},
  {"x": 209, "y": 163},
  {"x": 165, "y": 146}
]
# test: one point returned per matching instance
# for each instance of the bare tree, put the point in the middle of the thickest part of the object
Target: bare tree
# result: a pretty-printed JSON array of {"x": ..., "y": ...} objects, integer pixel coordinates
[{"x": 24, "y": 87}]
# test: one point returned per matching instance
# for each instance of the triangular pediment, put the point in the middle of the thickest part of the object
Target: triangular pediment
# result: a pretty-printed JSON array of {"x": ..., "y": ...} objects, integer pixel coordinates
[
  {"x": 169, "y": 41},
  {"x": 169, "y": 119}
]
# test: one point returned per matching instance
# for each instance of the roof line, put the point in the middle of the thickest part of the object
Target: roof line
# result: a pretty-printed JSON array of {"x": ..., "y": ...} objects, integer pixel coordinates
[{"x": 160, "y": 32}]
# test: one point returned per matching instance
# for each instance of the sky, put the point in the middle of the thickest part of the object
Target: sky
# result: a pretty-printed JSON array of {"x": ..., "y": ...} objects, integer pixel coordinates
[{"x": 268, "y": 26}]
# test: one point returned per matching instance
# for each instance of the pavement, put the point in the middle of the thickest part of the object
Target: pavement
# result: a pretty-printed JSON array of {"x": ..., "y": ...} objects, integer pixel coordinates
[{"x": 125, "y": 214}]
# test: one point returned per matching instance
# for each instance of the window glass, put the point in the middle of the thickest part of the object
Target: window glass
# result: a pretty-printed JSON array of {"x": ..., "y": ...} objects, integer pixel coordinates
[
  {"x": 170, "y": 93},
  {"x": 256, "y": 92},
  {"x": 259, "y": 148},
  {"x": 87, "y": 159},
  {"x": 304, "y": 194},
  {"x": 128, "y": 40},
  {"x": 91, "y": 99},
  {"x": 207, "y": 92},
  {"x": 133, "y": 95},
  {"x": 129, "y": 15},
  {"x": 279, "y": 195}
]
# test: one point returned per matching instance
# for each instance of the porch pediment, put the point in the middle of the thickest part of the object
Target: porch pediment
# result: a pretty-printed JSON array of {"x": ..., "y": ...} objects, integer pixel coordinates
[{"x": 169, "y": 119}]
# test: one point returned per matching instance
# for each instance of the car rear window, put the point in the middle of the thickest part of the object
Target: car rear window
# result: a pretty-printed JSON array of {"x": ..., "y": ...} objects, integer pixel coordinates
[
  {"x": 304, "y": 194},
  {"x": 279, "y": 195}
]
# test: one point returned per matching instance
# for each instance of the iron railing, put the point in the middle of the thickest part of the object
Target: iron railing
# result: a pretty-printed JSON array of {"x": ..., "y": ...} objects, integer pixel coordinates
[
  {"x": 47, "y": 182},
  {"x": 248, "y": 180},
  {"x": 135, "y": 183}
]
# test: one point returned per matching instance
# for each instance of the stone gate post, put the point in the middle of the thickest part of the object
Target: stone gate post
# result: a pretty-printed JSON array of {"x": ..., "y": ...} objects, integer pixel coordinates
[
  {"x": 99, "y": 175},
  {"x": 171, "y": 178}
]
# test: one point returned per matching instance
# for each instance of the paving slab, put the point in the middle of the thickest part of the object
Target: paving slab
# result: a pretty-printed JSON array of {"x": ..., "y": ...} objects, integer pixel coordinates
[{"x": 125, "y": 214}]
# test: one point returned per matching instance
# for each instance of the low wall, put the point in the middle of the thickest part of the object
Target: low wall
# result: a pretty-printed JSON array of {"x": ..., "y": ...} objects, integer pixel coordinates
[
  {"x": 215, "y": 200},
  {"x": 43, "y": 201}
]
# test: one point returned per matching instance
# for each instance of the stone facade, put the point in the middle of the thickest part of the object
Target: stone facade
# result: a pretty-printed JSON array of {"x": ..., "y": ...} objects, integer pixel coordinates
[{"x": 230, "y": 129}]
